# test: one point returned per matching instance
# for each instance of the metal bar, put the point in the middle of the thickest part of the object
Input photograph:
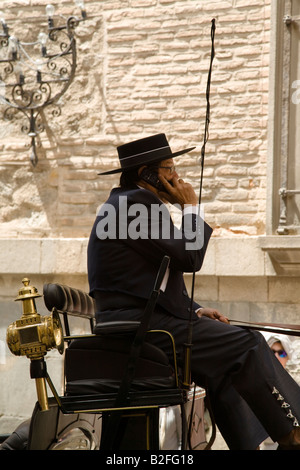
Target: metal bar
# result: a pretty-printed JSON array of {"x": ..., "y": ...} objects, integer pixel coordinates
[{"x": 283, "y": 192}]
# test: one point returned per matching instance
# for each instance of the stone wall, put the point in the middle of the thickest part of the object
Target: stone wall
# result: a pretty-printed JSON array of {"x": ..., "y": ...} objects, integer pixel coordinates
[{"x": 142, "y": 69}]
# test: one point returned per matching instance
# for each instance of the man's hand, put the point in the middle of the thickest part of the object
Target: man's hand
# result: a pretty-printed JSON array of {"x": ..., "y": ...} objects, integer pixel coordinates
[
  {"x": 213, "y": 314},
  {"x": 178, "y": 191}
]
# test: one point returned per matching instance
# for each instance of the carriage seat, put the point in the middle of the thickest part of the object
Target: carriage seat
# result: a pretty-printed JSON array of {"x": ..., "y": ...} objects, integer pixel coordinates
[{"x": 95, "y": 363}]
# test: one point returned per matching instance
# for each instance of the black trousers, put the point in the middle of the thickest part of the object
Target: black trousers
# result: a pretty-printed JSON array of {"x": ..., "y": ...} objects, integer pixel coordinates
[{"x": 252, "y": 395}]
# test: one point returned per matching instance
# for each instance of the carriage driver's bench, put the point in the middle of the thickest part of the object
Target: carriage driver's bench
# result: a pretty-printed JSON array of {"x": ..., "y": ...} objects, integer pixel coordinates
[{"x": 116, "y": 381}]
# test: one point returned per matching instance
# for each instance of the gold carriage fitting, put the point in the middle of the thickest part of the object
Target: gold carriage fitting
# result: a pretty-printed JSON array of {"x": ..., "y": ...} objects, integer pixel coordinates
[{"x": 33, "y": 335}]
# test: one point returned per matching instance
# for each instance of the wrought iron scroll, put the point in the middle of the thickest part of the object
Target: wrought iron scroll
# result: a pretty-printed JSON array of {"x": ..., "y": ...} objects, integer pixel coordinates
[{"x": 35, "y": 75}]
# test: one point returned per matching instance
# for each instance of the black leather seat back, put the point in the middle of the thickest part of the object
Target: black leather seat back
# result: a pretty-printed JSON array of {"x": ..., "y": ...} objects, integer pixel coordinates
[{"x": 68, "y": 299}]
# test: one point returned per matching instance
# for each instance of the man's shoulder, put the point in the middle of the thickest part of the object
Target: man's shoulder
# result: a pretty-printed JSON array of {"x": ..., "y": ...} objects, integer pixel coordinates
[{"x": 133, "y": 195}]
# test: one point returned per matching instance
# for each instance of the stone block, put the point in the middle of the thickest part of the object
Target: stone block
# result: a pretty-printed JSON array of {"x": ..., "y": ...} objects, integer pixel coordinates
[
  {"x": 19, "y": 256},
  {"x": 243, "y": 289},
  {"x": 239, "y": 257},
  {"x": 284, "y": 290}
]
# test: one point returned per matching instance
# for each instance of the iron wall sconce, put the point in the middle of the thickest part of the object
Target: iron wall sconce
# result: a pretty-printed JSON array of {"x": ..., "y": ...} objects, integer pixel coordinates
[{"x": 35, "y": 75}]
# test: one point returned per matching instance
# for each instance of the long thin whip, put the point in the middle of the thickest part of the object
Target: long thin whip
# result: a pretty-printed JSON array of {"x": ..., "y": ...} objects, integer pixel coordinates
[{"x": 188, "y": 344}]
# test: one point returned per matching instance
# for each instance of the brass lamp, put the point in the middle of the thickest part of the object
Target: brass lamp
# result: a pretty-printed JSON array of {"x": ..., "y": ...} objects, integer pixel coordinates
[{"x": 33, "y": 335}]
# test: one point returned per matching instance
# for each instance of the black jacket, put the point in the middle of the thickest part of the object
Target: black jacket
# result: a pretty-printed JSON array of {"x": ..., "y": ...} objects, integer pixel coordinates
[{"x": 132, "y": 232}]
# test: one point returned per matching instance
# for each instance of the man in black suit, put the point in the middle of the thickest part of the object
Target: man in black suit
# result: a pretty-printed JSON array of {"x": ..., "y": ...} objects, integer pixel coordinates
[{"x": 252, "y": 395}]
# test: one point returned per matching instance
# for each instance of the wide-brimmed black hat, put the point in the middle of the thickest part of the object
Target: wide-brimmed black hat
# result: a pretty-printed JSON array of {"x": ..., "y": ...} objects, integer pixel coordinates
[{"x": 143, "y": 152}]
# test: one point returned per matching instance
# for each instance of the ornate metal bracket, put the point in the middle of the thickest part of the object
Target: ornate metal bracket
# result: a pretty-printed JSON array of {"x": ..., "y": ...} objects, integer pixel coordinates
[
  {"x": 284, "y": 194},
  {"x": 287, "y": 19},
  {"x": 35, "y": 75}
]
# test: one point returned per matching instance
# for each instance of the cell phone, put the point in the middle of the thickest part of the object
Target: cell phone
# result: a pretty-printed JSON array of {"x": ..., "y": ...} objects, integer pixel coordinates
[{"x": 152, "y": 178}]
